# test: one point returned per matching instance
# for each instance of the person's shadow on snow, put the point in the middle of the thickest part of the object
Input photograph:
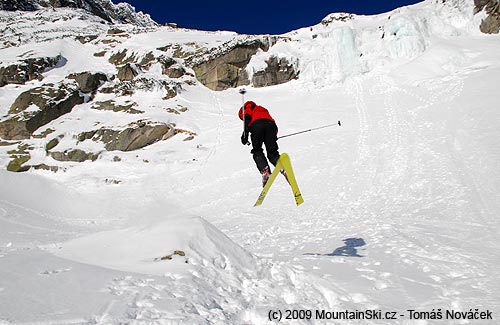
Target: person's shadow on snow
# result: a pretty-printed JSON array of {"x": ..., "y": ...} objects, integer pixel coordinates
[{"x": 349, "y": 249}]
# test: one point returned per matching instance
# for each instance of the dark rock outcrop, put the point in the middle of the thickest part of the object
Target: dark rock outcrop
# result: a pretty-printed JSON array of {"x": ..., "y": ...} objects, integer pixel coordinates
[
  {"x": 19, "y": 158},
  {"x": 75, "y": 155},
  {"x": 175, "y": 71},
  {"x": 131, "y": 138},
  {"x": 39, "y": 106},
  {"x": 122, "y": 57},
  {"x": 26, "y": 70},
  {"x": 89, "y": 82},
  {"x": 23, "y": 5},
  {"x": 128, "y": 72},
  {"x": 278, "y": 71},
  {"x": 491, "y": 24},
  {"x": 226, "y": 68}
]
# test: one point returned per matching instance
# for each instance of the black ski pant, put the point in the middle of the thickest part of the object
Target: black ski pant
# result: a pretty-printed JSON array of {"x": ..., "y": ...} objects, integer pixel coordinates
[{"x": 264, "y": 132}]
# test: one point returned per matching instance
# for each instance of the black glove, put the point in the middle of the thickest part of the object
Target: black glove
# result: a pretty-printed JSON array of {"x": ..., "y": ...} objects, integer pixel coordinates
[{"x": 244, "y": 138}]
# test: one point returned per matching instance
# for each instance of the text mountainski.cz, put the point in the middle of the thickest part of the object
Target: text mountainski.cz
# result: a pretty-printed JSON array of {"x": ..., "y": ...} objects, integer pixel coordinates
[{"x": 371, "y": 314}]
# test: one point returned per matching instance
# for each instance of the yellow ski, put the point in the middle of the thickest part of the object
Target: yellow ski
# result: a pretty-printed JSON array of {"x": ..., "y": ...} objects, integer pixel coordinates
[
  {"x": 287, "y": 166},
  {"x": 283, "y": 163}
]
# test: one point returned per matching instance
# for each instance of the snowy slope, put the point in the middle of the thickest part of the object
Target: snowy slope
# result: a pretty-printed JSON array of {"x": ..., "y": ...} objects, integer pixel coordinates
[{"x": 401, "y": 201}]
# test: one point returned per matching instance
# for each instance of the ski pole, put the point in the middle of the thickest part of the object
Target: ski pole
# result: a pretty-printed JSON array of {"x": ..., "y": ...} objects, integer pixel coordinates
[
  {"x": 321, "y": 127},
  {"x": 243, "y": 92}
]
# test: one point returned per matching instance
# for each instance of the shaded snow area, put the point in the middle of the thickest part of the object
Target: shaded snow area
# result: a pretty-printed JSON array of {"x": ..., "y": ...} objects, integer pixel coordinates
[{"x": 401, "y": 211}]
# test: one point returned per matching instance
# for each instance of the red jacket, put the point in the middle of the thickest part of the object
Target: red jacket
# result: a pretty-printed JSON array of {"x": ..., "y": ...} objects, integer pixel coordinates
[{"x": 254, "y": 112}]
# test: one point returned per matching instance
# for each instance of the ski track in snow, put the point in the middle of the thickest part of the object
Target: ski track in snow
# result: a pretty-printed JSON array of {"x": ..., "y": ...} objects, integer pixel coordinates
[
  {"x": 220, "y": 126},
  {"x": 436, "y": 269}
]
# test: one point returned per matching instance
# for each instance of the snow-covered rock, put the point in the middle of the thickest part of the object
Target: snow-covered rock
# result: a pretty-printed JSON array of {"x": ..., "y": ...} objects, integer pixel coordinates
[
  {"x": 152, "y": 249},
  {"x": 37, "y": 107},
  {"x": 26, "y": 70},
  {"x": 122, "y": 13}
]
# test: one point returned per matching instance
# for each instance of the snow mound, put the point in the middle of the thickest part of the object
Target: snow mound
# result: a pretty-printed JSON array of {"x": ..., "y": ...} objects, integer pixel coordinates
[
  {"x": 47, "y": 198},
  {"x": 176, "y": 245}
]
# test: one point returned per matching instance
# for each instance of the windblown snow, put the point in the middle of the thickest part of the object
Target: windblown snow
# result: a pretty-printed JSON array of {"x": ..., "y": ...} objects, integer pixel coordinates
[{"x": 401, "y": 201}]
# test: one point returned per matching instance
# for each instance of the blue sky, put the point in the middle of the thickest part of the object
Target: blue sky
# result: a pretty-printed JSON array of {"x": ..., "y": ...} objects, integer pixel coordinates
[{"x": 257, "y": 17}]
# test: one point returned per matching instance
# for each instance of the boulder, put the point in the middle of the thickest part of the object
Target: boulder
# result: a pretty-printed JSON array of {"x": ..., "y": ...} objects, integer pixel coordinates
[
  {"x": 278, "y": 71},
  {"x": 175, "y": 71},
  {"x": 39, "y": 106},
  {"x": 53, "y": 143},
  {"x": 26, "y": 70},
  {"x": 89, "y": 82},
  {"x": 131, "y": 138},
  {"x": 128, "y": 71}
]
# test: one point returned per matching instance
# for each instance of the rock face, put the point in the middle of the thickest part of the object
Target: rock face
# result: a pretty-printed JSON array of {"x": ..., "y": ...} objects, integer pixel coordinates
[
  {"x": 278, "y": 71},
  {"x": 131, "y": 138},
  {"x": 39, "y": 106},
  {"x": 122, "y": 13},
  {"x": 491, "y": 24},
  {"x": 24, "y": 5},
  {"x": 26, "y": 70},
  {"x": 227, "y": 69}
]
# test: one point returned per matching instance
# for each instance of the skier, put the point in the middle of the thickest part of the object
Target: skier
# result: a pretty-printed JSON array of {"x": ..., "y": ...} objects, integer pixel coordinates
[{"x": 263, "y": 130}]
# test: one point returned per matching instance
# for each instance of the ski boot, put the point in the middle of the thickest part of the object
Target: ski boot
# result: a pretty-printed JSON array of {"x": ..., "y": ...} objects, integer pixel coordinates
[{"x": 265, "y": 176}]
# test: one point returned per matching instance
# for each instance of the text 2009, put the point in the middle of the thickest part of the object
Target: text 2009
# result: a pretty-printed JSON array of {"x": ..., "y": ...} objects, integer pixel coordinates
[{"x": 298, "y": 314}]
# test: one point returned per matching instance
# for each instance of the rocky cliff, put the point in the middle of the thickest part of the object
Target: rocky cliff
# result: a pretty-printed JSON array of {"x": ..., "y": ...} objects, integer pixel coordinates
[
  {"x": 490, "y": 24},
  {"x": 122, "y": 13}
]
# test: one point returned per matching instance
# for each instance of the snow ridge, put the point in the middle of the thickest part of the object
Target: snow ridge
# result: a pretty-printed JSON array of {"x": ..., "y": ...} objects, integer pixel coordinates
[{"x": 122, "y": 13}]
